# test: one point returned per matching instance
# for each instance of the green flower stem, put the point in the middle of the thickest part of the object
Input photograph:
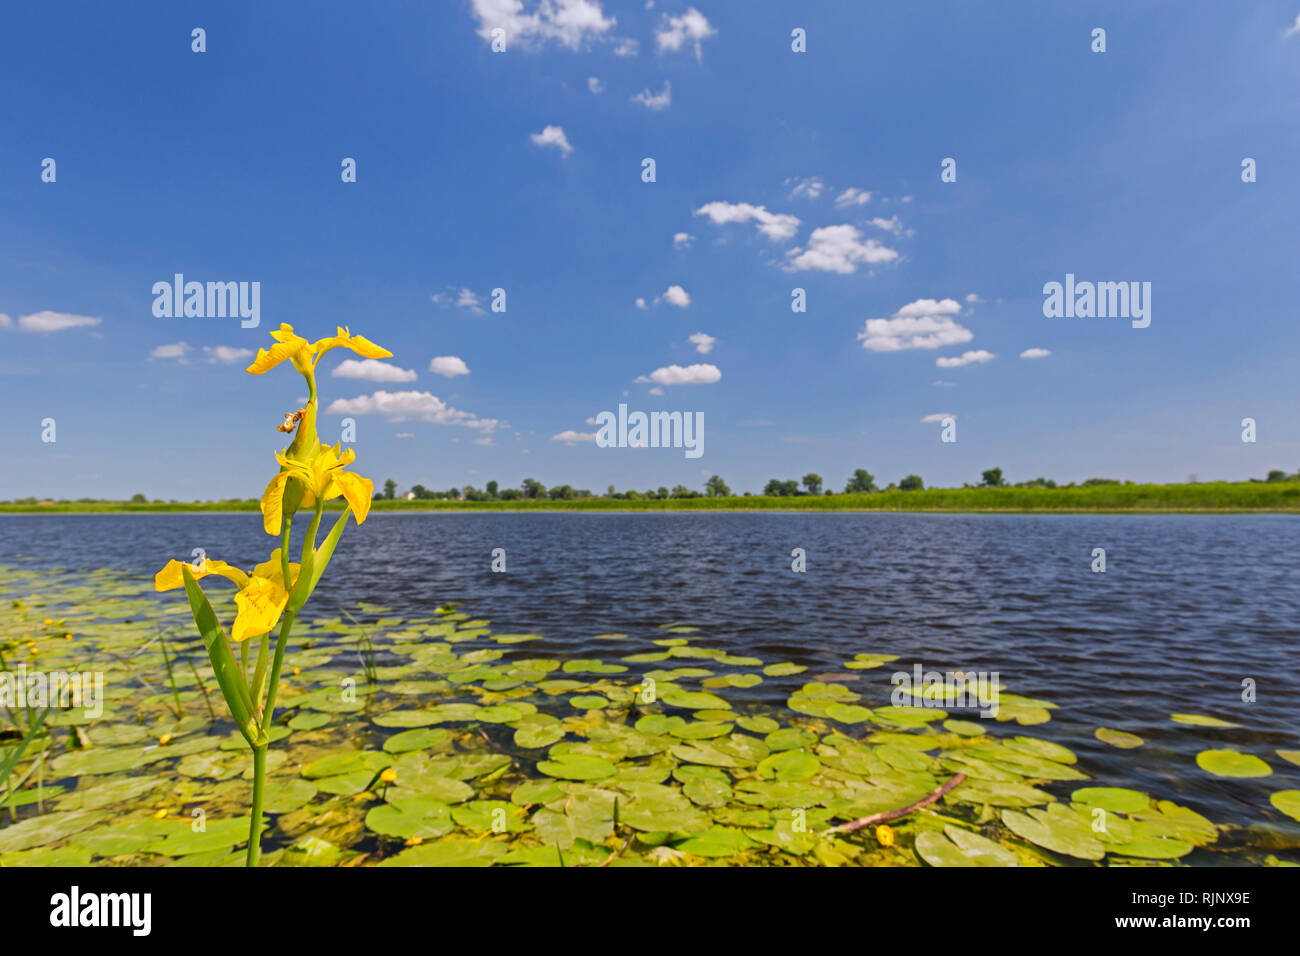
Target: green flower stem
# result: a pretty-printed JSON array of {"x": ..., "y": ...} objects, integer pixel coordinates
[
  {"x": 284, "y": 550},
  {"x": 259, "y": 674},
  {"x": 255, "y": 825},
  {"x": 274, "y": 684}
]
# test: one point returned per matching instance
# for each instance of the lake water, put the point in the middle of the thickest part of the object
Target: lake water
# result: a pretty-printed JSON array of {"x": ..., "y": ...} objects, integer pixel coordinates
[{"x": 1188, "y": 608}]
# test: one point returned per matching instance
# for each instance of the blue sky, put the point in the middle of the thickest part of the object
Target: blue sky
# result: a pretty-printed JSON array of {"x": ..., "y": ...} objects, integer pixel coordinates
[{"x": 817, "y": 170}]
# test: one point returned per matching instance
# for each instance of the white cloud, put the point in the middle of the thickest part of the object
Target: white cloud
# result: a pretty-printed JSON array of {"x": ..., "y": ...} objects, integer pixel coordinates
[
  {"x": 923, "y": 324},
  {"x": 373, "y": 370},
  {"x": 1035, "y": 353},
  {"x": 809, "y": 187},
  {"x": 571, "y": 438},
  {"x": 626, "y": 47},
  {"x": 774, "y": 225},
  {"x": 892, "y": 224},
  {"x": 853, "y": 197},
  {"x": 398, "y": 406},
  {"x": 640, "y": 303},
  {"x": 226, "y": 354},
  {"x": 459, "y": 298},
  {"x": 675, "y": 32},
  {"x": 448, "y": 365},
  {"x": 552, "y": 136},
  {"x": 656, "y": 101},
  {"x": 1295, "y": 27},
  {"x": 682, "y": 239},
  {"x": 937, "y": 417},
  {"x": 703, "y": 343},
  {"x": 486, "y": 441},
  {"x": 48, "y": 321},
  {"x": 175, "y": 350},
  {"x": 594, "y": 84},
  {"x": 677, "y": 375},
  {"x": 973, "y": 357},
  {"x": 943, "y": 384},
  {"x": 404, "y": 435},
  {"x": 570, "y": 23},
  {"x": 838, "y": 249},
  {"x": 675, "y": 295},
  {"x": 972, "y": 297}
]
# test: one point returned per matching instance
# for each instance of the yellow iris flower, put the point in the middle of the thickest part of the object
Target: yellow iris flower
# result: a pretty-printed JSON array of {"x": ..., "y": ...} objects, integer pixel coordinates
[
  {"x": 322, "y": 477},
  {"x": 304, "y": 355},
  {"x": 261, "y": 597}
]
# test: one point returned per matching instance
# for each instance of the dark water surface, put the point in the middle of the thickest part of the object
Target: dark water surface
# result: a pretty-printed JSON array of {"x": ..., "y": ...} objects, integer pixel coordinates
[{"x": 1188, "y": 608}]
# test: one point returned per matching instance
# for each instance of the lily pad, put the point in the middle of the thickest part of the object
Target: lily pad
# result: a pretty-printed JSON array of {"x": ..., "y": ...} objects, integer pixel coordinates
[{"x": 1231, "y": 763}]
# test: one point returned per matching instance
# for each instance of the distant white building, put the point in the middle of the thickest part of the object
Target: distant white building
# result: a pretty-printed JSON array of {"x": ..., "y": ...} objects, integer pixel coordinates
[{"x": 409, "y": 496}]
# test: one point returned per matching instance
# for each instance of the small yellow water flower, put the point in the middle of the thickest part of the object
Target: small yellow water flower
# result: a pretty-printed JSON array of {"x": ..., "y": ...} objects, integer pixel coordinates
[
  {"x": 415, "y": 841},
  {"x": 321, "y": 476},
  {"x": 304, "y": 355},
  {"x": 48, "y": 621},
  {"x": 261, "y": 597},
  {"x": 297, "y": 671},
  {"x": 160, "y": 814},
  {"x": 164, "y": 740},
  {"x": 884, "y": 835},
  {"x": 33, "y": 651},
  {"x": 389, "y": 776}
]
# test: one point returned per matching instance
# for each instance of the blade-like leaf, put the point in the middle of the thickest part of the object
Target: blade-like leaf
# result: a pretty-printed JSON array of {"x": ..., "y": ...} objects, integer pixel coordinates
[
  {"x": 320, "y": 562},
  {"x": 16, "y": 754},
  {"x": 224, "y": 665}
]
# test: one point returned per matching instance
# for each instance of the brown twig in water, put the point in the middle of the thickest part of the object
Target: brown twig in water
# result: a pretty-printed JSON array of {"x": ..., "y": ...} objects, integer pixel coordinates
[
  {"x": 867, "y": 821},
  {"x": 616, "y": 854}
]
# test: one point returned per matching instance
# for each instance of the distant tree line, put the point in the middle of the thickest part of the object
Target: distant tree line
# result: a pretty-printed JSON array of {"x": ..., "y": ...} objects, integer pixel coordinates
[{"x": 859, "y": 483}]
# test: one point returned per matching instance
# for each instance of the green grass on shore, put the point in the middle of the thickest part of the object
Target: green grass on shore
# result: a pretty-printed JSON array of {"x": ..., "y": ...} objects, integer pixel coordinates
[{"x": 1202, "y": 497}]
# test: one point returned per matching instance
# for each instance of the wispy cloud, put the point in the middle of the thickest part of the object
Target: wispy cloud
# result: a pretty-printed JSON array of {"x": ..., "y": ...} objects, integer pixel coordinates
[
  {"x": 571, "y": 438},
  {"x": 810, "y": 187},
  {"x": 448, "y": 366},
  {"x": 552, "y": 137},
  {"x": 838, "y": 249},
  {"x": 974, "y": 357},
  {"x": 923, "y": 324},
  {"x": 703, "y": 343},
  {"x": 48, "y": 321},
  {"x": 373, "y": 370},
  {"x": 1035, "y": 353},
  {"x": 461, "y": 298},
  {"x": 675, "y": 295},
  {"x": 688, "y": 375},
  {"x": 173, "y": 351},
  {"x": 774, "y": 225},
  {"x": 656, "y": 101},
  {"x": 570, "y": 23},
  {"x": 691, "y": 28},
  {"x": 398, "y": 406},
  {"x": 853, "y": 197},
  {"x": 226, "y": 354}
]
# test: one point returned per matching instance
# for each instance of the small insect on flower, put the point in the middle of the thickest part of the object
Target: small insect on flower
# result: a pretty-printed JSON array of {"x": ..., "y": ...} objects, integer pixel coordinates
[
  {"x": 291, "y": 420},
  {"x": 389, "y": 776},
  {"x": 884, "y": 835}
]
